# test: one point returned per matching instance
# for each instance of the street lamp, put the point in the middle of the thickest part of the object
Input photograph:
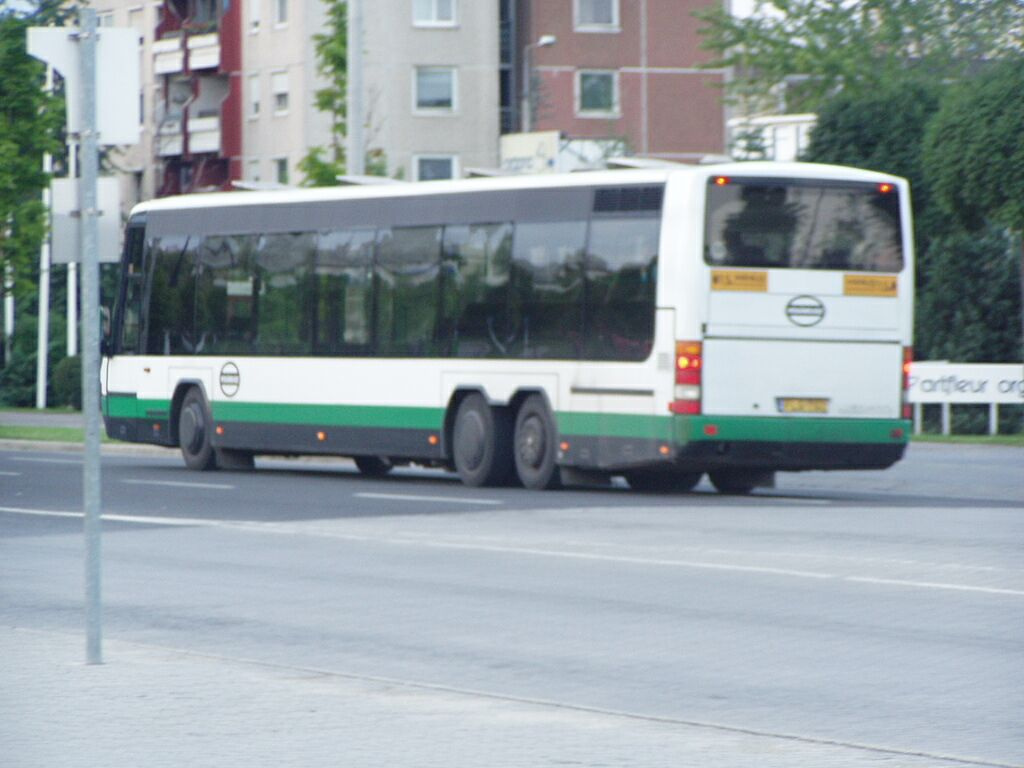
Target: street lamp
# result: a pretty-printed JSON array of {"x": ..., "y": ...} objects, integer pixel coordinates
[{"x": 542, "y": 42}]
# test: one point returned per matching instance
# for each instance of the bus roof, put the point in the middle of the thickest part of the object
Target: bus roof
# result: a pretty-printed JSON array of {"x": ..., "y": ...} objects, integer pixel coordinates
[{"x": 489, "y": 184}]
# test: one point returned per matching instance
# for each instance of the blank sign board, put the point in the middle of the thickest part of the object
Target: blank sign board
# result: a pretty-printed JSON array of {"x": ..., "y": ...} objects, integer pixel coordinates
[{"x": 64, "y": 205}]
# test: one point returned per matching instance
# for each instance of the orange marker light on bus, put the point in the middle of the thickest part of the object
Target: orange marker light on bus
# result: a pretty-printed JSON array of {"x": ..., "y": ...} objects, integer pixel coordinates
[
  {"x": 563, "y": 446},
  {"x": 219, "y": 430},
  {"x": 321, "y": 436},
  {"x": 721, "y": 181},
  {"x": 885, "y": 188},
  {"x": 433, "y": 440}
]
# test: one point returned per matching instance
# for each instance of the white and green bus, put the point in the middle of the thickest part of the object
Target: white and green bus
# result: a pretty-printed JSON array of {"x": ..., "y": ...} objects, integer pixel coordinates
[{"x": 735, "y": 320}]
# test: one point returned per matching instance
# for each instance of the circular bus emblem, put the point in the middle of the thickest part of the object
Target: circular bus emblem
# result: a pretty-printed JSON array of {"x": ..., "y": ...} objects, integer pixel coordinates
[
  {"x": 805, "y": 311},
  {"x": 229, "y": 379}
]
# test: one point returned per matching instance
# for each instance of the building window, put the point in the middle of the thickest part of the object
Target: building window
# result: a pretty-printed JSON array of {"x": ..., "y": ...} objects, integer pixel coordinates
[
  {"x": 280, "y": 12},
  {"x": 254, "y": 95},
  {"x": 597, "y": 93},
  {"x": 279, "y": 86},
  {"x": 435, "y": 167},
  {"x": 281, "y": 170},
  {"x": 433, "y": 13},
  {"x": 254, "y": 15},
  {"x": 435, "y": 89},
  {"x": 105, "y": 19},
  {"x": 252, "y": 172},
  {"x": 597, "y": 15}
]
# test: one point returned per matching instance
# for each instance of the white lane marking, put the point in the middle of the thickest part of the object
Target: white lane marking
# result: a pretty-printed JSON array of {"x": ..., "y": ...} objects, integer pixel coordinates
[
  {"x": 177, "y": 484},
  {"x": 438, "y": 499},
  {"x": 293, "y": 530},
  {"x": 10, "y": 474},
  {"x": 36, "y": 460},
  {"x": 932, "y": 585},
  {"x": 145, "y": 520}
]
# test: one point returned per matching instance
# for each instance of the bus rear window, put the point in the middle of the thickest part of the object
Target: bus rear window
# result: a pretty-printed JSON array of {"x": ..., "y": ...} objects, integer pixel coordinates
[{"x": 803, "y": 224}]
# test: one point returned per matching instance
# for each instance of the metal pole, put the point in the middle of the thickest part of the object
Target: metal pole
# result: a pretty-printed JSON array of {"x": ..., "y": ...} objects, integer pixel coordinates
[
  {"x": 356, "y": 162},
  {"x": 527, "y": 87},
  {"x": 90, "y": 334},
  {"x": 43, "y": 330},
  {"x": 72, "y": 304}
]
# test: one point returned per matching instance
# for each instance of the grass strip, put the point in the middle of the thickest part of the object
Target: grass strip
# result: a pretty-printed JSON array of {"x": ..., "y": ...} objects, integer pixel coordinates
[
  {"x": 47, "y": 434},
  {"x": 1017, "y": 440}
]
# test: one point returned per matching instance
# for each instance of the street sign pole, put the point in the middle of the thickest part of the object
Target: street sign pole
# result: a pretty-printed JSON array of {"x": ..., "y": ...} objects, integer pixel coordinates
[
  {"x": 89, "y": 145},
  {"x": 84, "y": 59}
]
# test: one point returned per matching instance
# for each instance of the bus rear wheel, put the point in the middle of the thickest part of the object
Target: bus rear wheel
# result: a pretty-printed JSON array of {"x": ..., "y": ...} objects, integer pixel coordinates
[
  {"x": 373, "y": 466},
  {"x": 481, "y": 444},
  {"x": 535, "y": 445},
  {"x": 735, "y": 482},
  {"x": 194, "y": 427}
]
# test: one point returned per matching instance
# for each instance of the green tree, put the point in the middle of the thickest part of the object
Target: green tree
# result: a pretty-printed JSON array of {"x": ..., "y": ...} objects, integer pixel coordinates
[
  {"x": 974, "y": 150},
  {"x": 30, "y": 124},
  {"x": 322, "y": 165},
  {"x": 970, "y": 310},
  {"x": 974, "y": 158},
  {"x": 815, "y": 48}
]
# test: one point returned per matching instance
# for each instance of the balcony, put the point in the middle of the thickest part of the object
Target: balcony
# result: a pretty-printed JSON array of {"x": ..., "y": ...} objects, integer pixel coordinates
[
  {"x": 204, "y": 51},
  {"x": 169, "y": 56},
  {"x": 169, "y": 138},
  {"x": 204, "y": 134}
]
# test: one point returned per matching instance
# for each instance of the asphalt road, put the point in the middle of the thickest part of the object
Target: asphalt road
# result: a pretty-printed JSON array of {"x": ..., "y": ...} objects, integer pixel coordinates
[{"x": 881, "y": 610}]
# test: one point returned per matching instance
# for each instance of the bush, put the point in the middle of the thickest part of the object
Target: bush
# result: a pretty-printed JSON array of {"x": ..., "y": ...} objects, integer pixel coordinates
[{"x": 67, "y": 382}]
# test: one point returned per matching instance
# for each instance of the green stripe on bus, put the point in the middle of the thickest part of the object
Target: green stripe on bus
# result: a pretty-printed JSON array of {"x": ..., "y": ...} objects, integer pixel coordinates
[
  {"x": 799, "y": 430},
  {"x": 330, "y": 415},
  {"x": 121, "y": 407},
  {"x": 615, "y": 425}
]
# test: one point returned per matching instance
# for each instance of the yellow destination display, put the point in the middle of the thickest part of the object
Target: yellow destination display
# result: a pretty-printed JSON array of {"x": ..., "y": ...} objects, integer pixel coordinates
[
  {"x": 738, "y": 280},
  {"x": 869, "y": 285}
]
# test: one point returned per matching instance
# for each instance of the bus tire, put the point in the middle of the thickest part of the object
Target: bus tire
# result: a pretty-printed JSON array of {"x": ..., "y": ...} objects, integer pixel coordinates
[
  {"x": 735, "y": 482},
  {"x": 195, "y": 425},
  {"x": 664, "y": 482},
  {"x": 481, "y": 444},
  {"x": 535, "y": 445},
  {"x": 373, "y": 466}
]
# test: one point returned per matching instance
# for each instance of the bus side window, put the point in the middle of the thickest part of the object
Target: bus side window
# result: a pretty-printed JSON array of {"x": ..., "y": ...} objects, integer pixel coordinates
[
  {"x": 407, "y": 271},
  {"x": 343, "y": 292},
  {"x": 130, "y": 315},
  {"x": 475, "y": 318},
  {"x": 620, "y": 295},
  {"x": 547, "y": 288}
]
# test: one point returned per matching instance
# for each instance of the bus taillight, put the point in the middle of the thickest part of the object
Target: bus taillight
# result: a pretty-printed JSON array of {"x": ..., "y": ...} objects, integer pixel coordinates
[
  {"x": 908, "y": 359},
  {"x": 689, "y": 364}
]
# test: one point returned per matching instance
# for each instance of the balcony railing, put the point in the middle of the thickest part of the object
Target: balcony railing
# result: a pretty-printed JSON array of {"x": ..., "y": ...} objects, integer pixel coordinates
[
  {"x": 204, "y": 51},
  {"x": 204, "y": 134},
  {"x": 168, "y": 56}
]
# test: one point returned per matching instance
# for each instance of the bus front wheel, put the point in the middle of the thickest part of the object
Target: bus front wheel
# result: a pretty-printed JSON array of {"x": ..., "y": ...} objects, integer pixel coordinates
[
  {"x": 480, "y": 443},
  {"x": 535, "y": 445},
  {"x": 194, "y": 426}
]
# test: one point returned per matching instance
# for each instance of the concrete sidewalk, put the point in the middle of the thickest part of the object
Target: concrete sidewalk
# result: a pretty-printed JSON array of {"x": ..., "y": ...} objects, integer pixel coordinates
[{"x": 149, "y": 707}]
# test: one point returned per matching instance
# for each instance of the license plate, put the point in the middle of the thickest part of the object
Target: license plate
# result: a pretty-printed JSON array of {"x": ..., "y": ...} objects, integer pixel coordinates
[{"x": 802, "y": 404}]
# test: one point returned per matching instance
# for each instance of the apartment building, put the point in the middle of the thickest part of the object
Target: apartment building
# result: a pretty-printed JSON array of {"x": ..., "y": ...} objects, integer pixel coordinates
[
  {"x": 431, "y": 85},
  {"x": 228, "y": 86},
  {"x": 625, "y": 72}
]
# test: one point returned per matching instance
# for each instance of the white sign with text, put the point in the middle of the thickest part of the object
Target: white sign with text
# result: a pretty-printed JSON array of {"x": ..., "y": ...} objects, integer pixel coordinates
[{"x": 966, "y": 382}]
